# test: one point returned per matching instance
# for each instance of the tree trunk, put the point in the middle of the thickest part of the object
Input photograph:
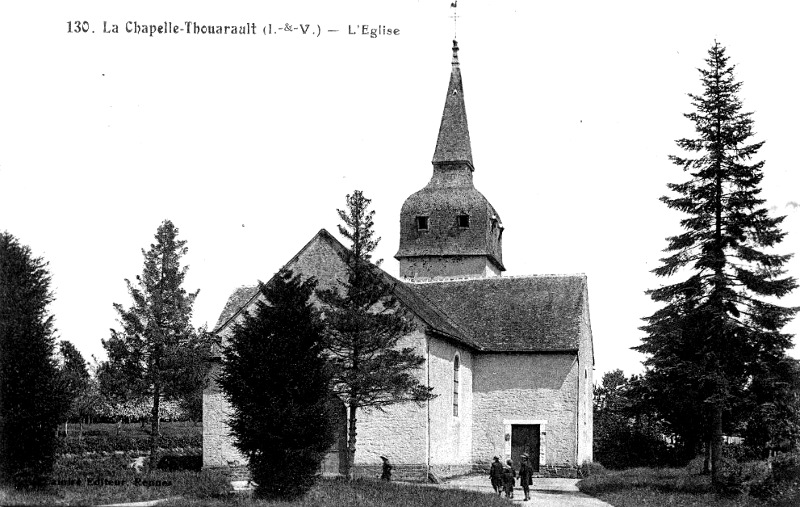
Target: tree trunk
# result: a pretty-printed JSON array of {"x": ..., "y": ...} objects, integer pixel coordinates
[
  {"x": 154, "y": 427},
  {"x": 716, "y": 444},
  {"x": 66, "y": 428},
  {"x": 119, "y": 425},
  {"x": 351, "y": 443},
  {"x": 80, "y": 430},
  {"x": 707, "y": 460}
]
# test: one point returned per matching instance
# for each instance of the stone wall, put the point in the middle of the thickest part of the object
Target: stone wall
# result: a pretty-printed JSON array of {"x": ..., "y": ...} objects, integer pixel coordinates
[
  {"x": 541, "y": 388},
  {"x": 586, "y": 382},
  {"x": 218, "y": 449},
  {"x": 399, "y": 431},
  {"x": 451, "y": 436}
]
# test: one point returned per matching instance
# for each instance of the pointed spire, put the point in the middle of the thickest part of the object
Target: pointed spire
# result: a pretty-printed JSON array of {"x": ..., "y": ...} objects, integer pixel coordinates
[{"x": 453, "y": 143}]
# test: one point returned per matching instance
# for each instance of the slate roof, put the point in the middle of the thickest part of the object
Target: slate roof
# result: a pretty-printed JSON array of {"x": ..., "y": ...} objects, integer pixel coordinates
[
  {"x": 520, "y": 314},
  {"x": 500, "y": 314},
  {"x": 453, "y": 143},
  {"x": 431, "y": 316},
  {"x": 240, "y": 298}
]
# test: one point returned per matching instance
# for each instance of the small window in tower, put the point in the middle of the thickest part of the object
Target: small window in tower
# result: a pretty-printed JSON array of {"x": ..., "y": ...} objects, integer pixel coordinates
[
  {"x": 463, "y": 221},
  {"x": 422, "y": 223}
]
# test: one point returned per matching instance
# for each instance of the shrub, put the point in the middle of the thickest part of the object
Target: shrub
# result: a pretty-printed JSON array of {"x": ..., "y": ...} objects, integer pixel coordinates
[
  {"x": 620, "y": 446},
  {"x": 781, "y": 485},
  {"x": 180, "y": 462},
  {"x": 590, "y": 468},
  {"x": 203, "y": 484},
  {"x": 275, "y": 355},
  {"x": 786, "y": 467},
  {"x": 731, "y": 477}
]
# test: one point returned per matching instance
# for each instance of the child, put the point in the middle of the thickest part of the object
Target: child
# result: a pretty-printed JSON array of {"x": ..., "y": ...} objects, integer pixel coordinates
[{"x": 508, "y": 479}]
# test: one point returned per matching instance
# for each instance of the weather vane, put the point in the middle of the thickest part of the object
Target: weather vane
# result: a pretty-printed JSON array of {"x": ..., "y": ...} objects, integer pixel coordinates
[{"x": 454, "y": 5}]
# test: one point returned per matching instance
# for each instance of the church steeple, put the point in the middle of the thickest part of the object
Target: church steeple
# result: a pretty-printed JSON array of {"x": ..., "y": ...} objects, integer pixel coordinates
[
  {"x": 449, "y": 229},
  {"x": 453, "y": 145}
]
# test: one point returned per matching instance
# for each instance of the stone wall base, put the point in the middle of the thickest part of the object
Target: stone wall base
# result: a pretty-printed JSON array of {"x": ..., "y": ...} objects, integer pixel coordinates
[
  {"x": 452, "y": 470},
  {"x": 417, "y": 473},
  {"x": 400, "y": 472},
  {"x": 545, "y": 471},
  {"x": 235, "y": 473}
]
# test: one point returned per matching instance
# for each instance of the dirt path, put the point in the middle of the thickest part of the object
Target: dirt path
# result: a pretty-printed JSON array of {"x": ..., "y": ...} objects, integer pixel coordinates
[{"x": 544, "y": 492}]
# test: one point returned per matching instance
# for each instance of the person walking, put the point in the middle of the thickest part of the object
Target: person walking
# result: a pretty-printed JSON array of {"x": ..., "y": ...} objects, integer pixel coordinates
[
  {"x": 526, "y": 476},
  {"x": 386, "y": 473},
  {"x": 508, "y": 479},
  {"x": 496, "y": 475}
]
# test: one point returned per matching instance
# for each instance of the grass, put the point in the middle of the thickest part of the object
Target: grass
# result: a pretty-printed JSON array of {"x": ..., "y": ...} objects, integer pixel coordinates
[
  {"x": 667, "y": 486},
  {"x": 119, "y": 488},
  {"x": 362, "y": 493},
  {"x": 190, "y": 489}
]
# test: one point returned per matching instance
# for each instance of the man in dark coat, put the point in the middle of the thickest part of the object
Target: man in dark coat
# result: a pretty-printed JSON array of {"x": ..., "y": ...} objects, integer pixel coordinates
[
  {"x": 386, "y": 473},
  {"x": 526, "y": 476},
  {"x": 496, "y": 475}
]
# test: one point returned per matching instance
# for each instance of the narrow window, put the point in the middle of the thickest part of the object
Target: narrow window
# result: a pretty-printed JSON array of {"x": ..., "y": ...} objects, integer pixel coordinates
[
  {"x": 422, "y": 223},
  {"x": 455, "y": 386},
  {"x": 463, "y": 221}
]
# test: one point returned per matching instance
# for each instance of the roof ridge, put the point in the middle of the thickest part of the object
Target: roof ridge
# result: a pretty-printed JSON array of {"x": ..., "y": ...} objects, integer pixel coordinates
[{"x": 444, "y": 279}]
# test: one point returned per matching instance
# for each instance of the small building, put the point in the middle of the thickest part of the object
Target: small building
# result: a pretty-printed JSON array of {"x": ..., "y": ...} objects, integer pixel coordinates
[{"x": 509, "y": 358}]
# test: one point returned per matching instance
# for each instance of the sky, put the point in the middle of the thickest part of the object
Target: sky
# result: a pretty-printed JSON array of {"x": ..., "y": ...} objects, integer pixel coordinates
[{"x": 249, "y": 143}]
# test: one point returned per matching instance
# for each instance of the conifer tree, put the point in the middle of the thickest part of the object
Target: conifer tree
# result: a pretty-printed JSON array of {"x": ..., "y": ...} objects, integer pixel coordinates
[
  {"x": 158, "y": 354},
  {"x": 30, "y": 399},
  {"x": 276, "y": 379},
  {"x": 724, "y": 310},
  {"x": 74, "y": 379},
  {"x": 364, "y": 325}
]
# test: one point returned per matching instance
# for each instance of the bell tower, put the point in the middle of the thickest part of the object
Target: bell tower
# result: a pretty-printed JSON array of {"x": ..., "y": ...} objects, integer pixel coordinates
[{"x": 449, "y": 229}]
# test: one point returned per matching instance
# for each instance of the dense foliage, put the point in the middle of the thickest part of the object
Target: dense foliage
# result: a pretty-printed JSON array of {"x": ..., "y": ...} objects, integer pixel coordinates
[
  {"x": 626, "y": 435},
  {"x": 718, "y": 326},
  {"x": 364, "y": 325},
  {"x": 112, "y": 438},
  {"x": 31, "y": 400},
  {"x": 276, "y": 379}
]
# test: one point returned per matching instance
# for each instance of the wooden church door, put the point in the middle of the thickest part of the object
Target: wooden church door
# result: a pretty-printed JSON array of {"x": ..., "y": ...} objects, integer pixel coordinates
[{"x": 525, "y": 440}]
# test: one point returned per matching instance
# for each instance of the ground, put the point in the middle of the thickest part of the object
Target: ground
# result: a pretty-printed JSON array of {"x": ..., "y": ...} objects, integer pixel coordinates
[{"x": 544, "y": 492}]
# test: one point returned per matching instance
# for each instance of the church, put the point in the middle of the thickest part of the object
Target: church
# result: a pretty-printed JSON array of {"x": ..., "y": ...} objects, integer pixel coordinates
[{"x": 509, "y": 358}]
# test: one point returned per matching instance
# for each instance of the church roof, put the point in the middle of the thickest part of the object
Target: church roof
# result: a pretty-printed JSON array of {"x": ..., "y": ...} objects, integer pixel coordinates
[
  {"x": 418, "y": 305},
  {"x": 453, "y": 143},
  {"x": 240, "y": 298},
  {"x": 499, "y": 314},
  {"x": 513, "y": 314}
]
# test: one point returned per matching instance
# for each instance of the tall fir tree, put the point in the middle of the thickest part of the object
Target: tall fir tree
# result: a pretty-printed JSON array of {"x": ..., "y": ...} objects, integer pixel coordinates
[
  {"x": 364, "y": 326},
  {"x": 276, "y": 379},
  {"x": 158, "y": 354},
  {"x": 724, "y": 311},
  {"x": 31, "y": 402}
]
